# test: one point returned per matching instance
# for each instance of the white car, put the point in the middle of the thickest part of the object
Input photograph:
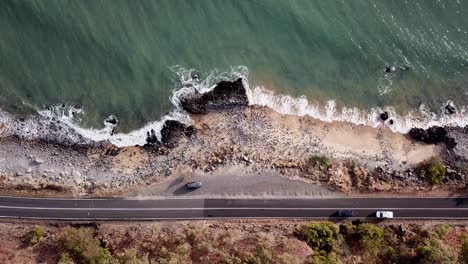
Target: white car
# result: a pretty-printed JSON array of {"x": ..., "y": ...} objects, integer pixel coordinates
[{"x": 384, "y": 214}]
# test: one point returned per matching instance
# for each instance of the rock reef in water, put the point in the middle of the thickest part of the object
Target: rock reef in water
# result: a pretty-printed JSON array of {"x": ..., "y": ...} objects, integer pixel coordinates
[{"x": 226, "y": 95}]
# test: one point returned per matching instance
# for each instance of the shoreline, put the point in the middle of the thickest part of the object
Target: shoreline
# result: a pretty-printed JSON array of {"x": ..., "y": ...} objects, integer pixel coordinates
[{"x": 229, "y": 135}]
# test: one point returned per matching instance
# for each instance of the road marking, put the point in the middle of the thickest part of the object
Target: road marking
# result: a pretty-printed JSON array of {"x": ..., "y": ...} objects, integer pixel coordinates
[
  {"x": 222, "y": 208},
  {"x": 223, "y": 217},
  {"x": 203, "y": 198}
]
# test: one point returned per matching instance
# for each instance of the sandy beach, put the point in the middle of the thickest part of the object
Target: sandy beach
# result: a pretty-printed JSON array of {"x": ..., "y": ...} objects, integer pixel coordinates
[{"x": 249, "y": 141}]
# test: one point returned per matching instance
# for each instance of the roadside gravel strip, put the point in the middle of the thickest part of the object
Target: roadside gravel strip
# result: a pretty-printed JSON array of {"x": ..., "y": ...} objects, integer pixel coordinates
[{"x": 181, "y": 208}]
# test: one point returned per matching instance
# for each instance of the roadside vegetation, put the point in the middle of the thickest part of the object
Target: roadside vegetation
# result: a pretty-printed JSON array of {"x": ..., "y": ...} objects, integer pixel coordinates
[
  {"x": 245, "y": 243},
  {"x": 36, "y": 235},
  {"x": 318, "y": 162},
  {"x": 434, "y": 170}
]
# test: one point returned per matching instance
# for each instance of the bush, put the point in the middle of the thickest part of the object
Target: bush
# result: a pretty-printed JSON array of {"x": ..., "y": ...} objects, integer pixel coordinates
[
  {"x": 370, "y": 238},
  {"x": 442, "y": 230},
  {"x": 320, "y": 236},
  {"x": 321, "y": 161},
  {"x": 130, "y": 257},
  {"x": 179, "y": 254},
  {"x": 435, "y": 170},
  {"x": 65, "y": 259},
  {"x": 331, "y": 258},
  {"x": 81, "y": 245},
  {"x": 463, "y": 258},
  {"x": 431, "y": 251},
  {"x": 262, "y": 256},
  {"x": 37, "y": 234}
]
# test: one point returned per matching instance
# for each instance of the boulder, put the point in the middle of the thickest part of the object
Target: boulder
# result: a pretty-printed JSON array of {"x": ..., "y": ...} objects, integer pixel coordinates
[
  {"x": 151, "y": 137},
  {"x": 38, "y": 161},
  {"x": 226, "y": 95},
  {"x": 112, "y": 120},
  {"x": 449, "y": 108},
  {"x": 384, "y": 116},
  {"x": 173, "y": 130}
]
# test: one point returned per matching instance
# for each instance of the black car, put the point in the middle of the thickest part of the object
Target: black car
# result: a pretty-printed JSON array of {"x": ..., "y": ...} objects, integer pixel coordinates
[
  {"x": 193, "y": 185},
  {"x": 345, "y": 213}
]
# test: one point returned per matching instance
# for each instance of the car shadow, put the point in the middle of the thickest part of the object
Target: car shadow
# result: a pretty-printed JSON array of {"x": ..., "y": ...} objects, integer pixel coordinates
[
  {"x": 355, "y": 219},
  {"x": 182, "y": 190},
  {"x": 175, "y": 182}
]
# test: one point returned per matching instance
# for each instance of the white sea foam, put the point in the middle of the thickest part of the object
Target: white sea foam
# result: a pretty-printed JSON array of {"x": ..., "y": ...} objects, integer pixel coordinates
[
  {"x": 300, "y": 106},
  {"x": 64, "y": 120}
]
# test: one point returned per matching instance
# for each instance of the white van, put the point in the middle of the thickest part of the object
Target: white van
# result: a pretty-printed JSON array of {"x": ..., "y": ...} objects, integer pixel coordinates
[{"x": 384, "y": 214}]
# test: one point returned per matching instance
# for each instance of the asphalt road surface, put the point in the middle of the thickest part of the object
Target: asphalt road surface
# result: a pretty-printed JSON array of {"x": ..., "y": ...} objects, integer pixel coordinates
[{"x": 197, "y": 208}]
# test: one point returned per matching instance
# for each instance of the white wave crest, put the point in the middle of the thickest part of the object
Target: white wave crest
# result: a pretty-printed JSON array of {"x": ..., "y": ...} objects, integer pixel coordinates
[
  {"x": 60, "y": 122},
  {"x": 300, "y": 106}
]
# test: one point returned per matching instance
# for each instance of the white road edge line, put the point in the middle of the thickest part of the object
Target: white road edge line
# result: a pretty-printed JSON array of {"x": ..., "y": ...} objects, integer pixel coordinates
[
  {"x": 217, "y": 217},
  {"x": 162, "y": 198},
  {"x": 222, "y": 208}
]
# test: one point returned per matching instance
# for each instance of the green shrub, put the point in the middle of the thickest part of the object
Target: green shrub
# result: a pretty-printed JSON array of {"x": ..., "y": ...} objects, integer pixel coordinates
[
  {"x": 180, "y": 254},
  {"x": 463, "y": 258},
  {"x": 370, "y": 238},
  {"x": 65, "y": 259},
  {"x": 322, "y": 162},
  {"x": 37, "y": 234},
  {"x": 261, "y": 256},
  {"x": 434, "y": 169},
  {"x": 81, "y": 244},
  {"x": 130, "y": 257},
  {"x": 431, "y": 251},
  {"x": 442, "y": 230},
  {"x": 320, "y": 236},
  {"x": 331, "y": 258}
]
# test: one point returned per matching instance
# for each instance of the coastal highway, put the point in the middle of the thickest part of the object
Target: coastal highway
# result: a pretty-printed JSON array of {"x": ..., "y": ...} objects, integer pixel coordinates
[{"x": 198, "y": 208}]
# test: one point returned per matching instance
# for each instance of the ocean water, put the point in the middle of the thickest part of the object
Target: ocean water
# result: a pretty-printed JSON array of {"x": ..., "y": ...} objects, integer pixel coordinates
[{"x": 132, "y": 59}]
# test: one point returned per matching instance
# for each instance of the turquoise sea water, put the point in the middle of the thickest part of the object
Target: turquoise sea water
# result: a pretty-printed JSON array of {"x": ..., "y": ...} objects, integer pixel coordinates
[{"x": 118, "y": 57}]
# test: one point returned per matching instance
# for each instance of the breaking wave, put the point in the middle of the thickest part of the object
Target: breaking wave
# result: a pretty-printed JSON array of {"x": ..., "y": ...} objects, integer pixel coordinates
[{"x": 60, "y": 122}]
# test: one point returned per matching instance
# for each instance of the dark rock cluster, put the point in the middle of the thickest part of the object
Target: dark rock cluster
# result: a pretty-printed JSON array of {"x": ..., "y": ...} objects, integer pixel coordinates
[
  {"x": 171, "y": 132},
  {"x": 151, "y": 137},
  {"x": 432, "y": 135},
  {"x": 226, "y": 95}
]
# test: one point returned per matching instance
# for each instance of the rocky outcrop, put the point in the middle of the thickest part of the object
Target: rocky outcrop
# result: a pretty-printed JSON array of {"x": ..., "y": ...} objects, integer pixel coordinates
[
  {"x": 226, "y": 95},
  {"x": 450, "y": 108},
  {"x": 173, "y": 131},
  {"x": 151, "y": 137},
  {"x": 384, "y": 116},
  {"x": 432, "y": 135}
]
